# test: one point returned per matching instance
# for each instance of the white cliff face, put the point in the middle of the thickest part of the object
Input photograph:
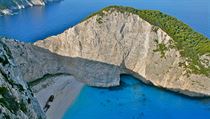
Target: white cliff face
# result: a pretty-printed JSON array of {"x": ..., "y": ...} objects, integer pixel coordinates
[
  {"x": 35, "y": 63},
  {"x": 21, "y": 63},
  {"x": 127, "y": 41}
]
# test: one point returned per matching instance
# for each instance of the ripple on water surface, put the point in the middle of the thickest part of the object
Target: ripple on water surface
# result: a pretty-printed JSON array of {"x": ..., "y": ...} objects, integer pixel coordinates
[{"x": 135, "y": 100}]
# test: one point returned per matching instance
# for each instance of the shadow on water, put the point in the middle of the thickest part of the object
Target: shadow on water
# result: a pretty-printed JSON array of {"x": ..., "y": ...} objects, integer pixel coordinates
[
  {"x": 135, "y": 100},
  {"x": 136, "y": 84}
]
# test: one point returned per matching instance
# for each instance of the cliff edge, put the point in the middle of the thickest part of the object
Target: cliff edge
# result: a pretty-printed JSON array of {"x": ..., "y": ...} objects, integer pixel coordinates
[
  {"x": 16, "y": 98},
  {"x": 156, "y": 48},
  {"x": 24, "y": 67}
]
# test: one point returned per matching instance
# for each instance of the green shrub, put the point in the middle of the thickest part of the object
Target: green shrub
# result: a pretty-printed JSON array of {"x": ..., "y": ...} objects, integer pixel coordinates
[
  {"x": 3, "y": 90},
  {"x": 10, "y": 103},
  {"x": 23, "y": 106},
  {"x": 190, "y": 43},
  {"x": 161, "y": 47}
]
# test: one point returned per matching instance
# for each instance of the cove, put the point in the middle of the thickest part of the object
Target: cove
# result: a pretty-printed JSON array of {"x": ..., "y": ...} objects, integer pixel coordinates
[
  {"x": 132, "y": 100},
  {"x": 36, "y": 23},
  {"x": 135, "y": 100}
]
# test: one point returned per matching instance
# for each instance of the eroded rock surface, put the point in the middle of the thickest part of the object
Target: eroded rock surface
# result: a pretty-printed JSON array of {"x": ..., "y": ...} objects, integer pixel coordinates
[
  {"x": 16, "y": 99},
  {"x": 23, "y": 64},
  {"x": 133, "y": 44}
]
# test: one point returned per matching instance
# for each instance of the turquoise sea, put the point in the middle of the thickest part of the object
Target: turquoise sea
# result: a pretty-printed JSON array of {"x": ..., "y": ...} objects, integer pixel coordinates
[{"x": 133, "y": 99}]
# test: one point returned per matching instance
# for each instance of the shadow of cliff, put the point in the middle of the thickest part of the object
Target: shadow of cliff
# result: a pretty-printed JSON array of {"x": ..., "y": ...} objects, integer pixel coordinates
[
  {"x": 104, "y": 75},
  {"x": 34, "y": 63}
]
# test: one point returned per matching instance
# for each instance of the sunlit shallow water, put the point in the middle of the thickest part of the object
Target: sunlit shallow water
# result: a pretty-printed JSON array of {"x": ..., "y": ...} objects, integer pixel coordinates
[{"x": 135, "y": 100}]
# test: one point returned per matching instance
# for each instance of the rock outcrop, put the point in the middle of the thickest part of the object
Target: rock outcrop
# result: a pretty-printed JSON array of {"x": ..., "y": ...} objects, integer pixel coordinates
[
  {"x": 139, "y": 48},
  {"x": 34, "y": 63},
  {"x": 16, "y": 99},
  {"x": 23, "y": 64},
  {"x": 7, "y": 7}
]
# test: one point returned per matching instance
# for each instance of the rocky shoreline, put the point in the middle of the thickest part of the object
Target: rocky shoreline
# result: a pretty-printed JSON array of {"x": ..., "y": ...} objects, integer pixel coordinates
[{"x": 10, "y": 7}]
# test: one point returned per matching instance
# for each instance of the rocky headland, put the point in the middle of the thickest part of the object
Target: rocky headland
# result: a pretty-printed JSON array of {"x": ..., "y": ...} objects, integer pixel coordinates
[
  {"x": 7, "y": 7},
  {"x": 130, "y": 39}
]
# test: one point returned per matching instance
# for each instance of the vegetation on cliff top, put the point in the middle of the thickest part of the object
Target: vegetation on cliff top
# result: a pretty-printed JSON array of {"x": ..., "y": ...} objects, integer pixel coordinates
[{"x": 190, "y": 43}]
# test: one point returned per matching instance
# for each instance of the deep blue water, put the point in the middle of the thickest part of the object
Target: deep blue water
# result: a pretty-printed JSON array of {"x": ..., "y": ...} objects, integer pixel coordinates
[
  {"x": 38, "y": 23},
  {"x": 135, "y": 100}
]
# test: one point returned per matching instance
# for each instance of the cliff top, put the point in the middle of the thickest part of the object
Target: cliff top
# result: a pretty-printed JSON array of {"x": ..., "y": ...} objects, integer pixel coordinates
[{"x": 191, "y": 44}]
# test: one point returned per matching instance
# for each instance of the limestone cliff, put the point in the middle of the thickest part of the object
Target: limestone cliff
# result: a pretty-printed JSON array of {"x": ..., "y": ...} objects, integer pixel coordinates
[
  {"x": 139, "y": 48},
  {"x": 34, "y": 63},
  {"x": 21, "y": 63},
  {"x": 8, "y": 6},
  {"x": 16, "y": 99}
]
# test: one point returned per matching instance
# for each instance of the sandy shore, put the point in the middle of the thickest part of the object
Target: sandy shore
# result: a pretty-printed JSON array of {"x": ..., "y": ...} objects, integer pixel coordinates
[{"x": 64, "y": 89}]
